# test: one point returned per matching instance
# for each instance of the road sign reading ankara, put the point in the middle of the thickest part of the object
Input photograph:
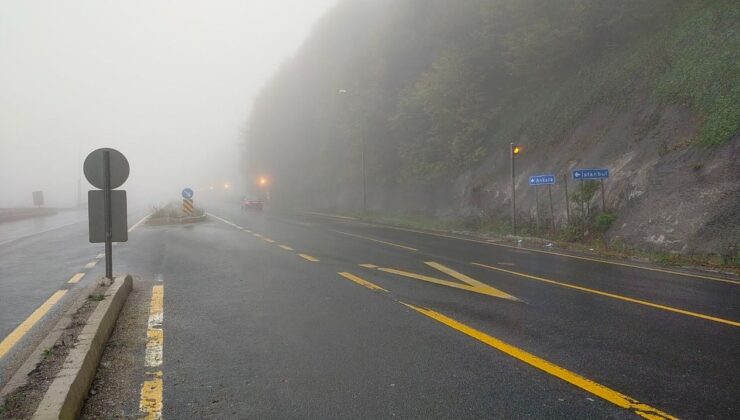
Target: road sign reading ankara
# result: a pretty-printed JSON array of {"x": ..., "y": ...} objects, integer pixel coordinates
[
  {"x": 600, "y": 173},
  {"x": 542, "y": 179}
]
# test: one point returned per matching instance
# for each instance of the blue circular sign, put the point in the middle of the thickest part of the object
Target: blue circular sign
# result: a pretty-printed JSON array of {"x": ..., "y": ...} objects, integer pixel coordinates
[{"x": 187, "y": 193}]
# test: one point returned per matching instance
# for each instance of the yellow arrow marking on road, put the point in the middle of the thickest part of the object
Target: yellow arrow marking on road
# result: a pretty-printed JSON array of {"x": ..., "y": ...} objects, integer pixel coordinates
[{"x": 469, "y": 284}]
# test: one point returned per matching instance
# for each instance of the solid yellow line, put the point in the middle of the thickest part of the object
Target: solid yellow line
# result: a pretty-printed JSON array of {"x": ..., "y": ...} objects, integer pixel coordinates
[
  {"x": 377, "y": 240},
  {"x": 572, "y": 378},
  {"x": 151, "y": 397},
  {"x": 14, "y": 337},
  {"x": 639, "y": 267},
  {"x": 76, "y": 278},
  {"x": 362, "y": 282},
  {"x": 613, "y": 296},
  {"x": 157, "y": 304},
  {"x": 308, "y": 257},
  {"x": 286, "y": 247}
]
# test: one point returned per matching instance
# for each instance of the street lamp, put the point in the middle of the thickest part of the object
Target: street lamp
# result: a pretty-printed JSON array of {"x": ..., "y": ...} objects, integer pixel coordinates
[
  {"x": 515, "y": 151},
  {"x": 362, "y": 157}
]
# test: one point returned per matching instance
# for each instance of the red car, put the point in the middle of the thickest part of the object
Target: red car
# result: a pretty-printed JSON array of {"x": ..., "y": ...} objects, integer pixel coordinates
[{"x": 249, "y": 204}]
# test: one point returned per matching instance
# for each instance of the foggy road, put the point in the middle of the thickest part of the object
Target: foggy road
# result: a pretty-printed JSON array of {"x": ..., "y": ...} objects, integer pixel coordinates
[
  {"x": 320, "y": 317},
  {"x": 42, "y": 260}
]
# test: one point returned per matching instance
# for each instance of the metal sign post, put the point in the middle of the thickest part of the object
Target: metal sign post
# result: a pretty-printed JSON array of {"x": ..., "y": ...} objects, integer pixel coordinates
[
  {"x": 549, "y": 180},
  {"x": 552, "y": 214},
  {"x": 537, "y": 211},
  {"x": 596, "y": 173},
  {"x": 567, "y": 199},
  {"x": 108, "y": 223},
  {"x": 107, "y": 169}
]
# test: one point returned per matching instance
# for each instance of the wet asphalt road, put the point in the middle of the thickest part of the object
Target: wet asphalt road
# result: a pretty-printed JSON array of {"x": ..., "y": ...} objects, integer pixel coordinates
[
  {"x": 318, "y": 317},
  {"x": 38, "y": 258},
  {"x": 259, "y": 323}
]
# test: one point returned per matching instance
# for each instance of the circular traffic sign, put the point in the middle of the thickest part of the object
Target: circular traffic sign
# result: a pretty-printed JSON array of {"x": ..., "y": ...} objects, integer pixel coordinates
[
  {"x": 94, "y": 168},
  {"x": 187, "y": 193}
]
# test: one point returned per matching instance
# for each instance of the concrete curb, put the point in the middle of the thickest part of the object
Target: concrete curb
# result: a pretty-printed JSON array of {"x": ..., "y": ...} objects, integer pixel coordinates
[
  {"x": 20, "y": 377},
  {"x": 68, "y": 391}
]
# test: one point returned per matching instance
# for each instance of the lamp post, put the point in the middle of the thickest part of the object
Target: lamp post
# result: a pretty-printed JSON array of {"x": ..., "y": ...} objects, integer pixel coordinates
[
  {"x": 362, "y": 158},
  {"x": 514, "y": 151}
]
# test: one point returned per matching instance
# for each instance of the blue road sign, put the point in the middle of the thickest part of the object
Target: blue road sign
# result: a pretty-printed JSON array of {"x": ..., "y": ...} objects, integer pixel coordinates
[
  {"x": 599, "y": 173},
  {"x": 542, "y": 179},
  {"x": 187, "y": 193}
]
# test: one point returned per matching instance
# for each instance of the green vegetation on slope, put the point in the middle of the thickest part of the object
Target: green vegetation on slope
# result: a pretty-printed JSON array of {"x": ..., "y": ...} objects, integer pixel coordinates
[{"x": 432, "y": 87}]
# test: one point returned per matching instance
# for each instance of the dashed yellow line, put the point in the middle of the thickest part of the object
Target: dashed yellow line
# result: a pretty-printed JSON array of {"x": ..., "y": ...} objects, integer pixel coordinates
[
  {"x": 151, "y": 400},
  {"x": 257, "y": 235},
  {"x": 90, "y": 265},
  {"x": 308, "y": 257},
  {"x": 362, "y": 282},
  {"x": 76, "y": 278},
  {"x": 613, "y": 296},
  {"x": 601, "y": 391},
  {"x": 286, "y": 247},
  {"x": 17, "y": 334},
  {"x": 272, "y": 241},
  {"x": 376, "y": 240}
]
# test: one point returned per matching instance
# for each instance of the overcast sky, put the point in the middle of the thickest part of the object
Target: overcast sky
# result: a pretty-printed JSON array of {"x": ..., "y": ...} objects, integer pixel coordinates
[{"x": 168, "y": 83}]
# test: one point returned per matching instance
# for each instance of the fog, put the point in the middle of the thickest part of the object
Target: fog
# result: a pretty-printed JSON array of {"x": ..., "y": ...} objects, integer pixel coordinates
[{"x": 168, "y": 83}]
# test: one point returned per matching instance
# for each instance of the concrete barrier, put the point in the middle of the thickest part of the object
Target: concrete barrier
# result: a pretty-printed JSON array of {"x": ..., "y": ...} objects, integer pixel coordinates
[{"x": 68, "y": 391}]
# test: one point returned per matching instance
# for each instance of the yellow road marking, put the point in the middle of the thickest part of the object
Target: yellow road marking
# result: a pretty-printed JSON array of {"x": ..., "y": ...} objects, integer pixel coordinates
[
  {"x": 660, "y": 270},
  {"x": 157, "y": 304},
  {"x": 613, "y": 296},
  {"x": 90, "y": 265},
  {"x": 601, "y": 391},
  {"x": 150, "y": 403},
  {"x": 286, "y": 247},
  {"x": 308, "y": 257},
  {"x": 247, "y": 230},
  {"x": 469, "y": 285},
  {"x": 14, "y": 337},
  {"x": 257, "y": 235},
  {"x": 269, "y": 240},
  {"x": 76, "y": 278},
  {"x": 99, "y": 256},
  {"x": 362, "y": 282},
  {"x": 376, "y": 240}
]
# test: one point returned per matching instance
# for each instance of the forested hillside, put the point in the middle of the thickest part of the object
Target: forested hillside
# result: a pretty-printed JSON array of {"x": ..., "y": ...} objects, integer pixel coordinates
[{"x": 433, "y": 92}]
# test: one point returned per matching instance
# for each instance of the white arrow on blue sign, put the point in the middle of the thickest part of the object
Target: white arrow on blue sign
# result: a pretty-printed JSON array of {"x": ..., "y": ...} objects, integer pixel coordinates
[
  {"x": 187, "y": 193},
  {"x": 600, "y": 173},
  {"x": 542, "y": 179}
]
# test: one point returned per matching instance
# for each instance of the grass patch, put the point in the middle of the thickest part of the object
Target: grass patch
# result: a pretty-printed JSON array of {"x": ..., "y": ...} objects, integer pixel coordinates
[{"x": 96, "y": 297}]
